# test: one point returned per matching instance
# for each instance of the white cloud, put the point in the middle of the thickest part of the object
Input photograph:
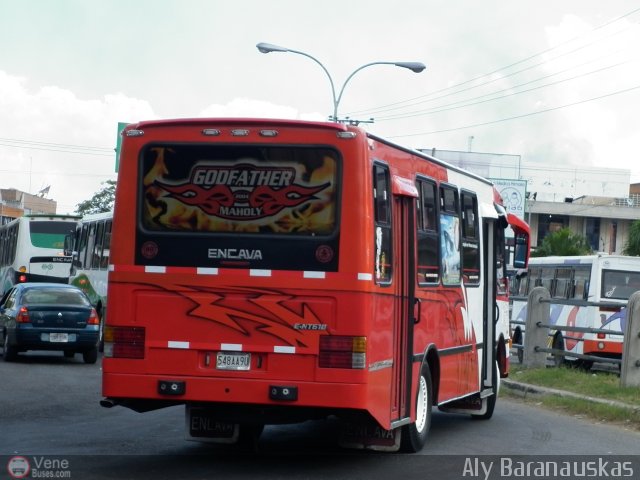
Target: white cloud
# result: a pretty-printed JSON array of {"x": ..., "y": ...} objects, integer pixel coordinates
[
  {"x": 245, "y": 107},
  {"x": 96, "y": 72},
  {"x": 54, "y": 138}
]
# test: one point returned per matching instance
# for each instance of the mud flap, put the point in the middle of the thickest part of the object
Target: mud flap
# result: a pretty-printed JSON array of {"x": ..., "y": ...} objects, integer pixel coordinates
[
  {"x": 473, "y": 404},
  {"x": 201, "y": 426},
  {"x": 368, "y": 435}
]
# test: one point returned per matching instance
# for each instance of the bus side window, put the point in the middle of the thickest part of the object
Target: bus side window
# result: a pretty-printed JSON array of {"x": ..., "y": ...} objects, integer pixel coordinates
[
  {"x": 13, "y": 243},
  {"x": 534, "y": 279},
  {"x": 471, "y": 243},
  {"x": 450, "y": 235},
  {"x": 3, "y": 248},
  {"x": 382, "y": 212},
  {"x": 106, "y": 245},
  {"x": 547, "y": 276},
  {"x": 97, "y": 248},
  {"x": 427, "y": 234},
  {"x": 562, "y": 283},
  {"x": 82, "y": 247},
  {"x": 91, "y": 241},
  {"x": 580, "y": 284}
]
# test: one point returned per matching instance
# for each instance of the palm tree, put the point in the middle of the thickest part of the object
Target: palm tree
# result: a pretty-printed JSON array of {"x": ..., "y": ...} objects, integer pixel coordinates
[
  {"x": 632, "y": 247},
  {"x": 564, "y": 243}
]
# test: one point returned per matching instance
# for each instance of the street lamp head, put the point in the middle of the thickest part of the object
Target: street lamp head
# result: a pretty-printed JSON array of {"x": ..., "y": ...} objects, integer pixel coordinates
[
  {"x": 269, "y": 47},
  {"x": 416, "y": 67}
]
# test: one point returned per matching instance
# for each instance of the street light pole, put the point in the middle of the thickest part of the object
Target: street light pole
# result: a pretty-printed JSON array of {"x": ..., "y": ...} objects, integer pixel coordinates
[{"x": 416, "y": 67}]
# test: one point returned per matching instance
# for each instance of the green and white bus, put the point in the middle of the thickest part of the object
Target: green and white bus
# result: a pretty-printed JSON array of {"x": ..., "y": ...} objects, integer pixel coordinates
[
  {"x": 90, "y": 266},
  {"x": 32, "y": 249}
]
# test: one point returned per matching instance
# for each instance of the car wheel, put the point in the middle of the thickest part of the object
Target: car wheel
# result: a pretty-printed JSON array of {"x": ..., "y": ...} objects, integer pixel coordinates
[
  {"x": 519, "y": 351},
  {"x": 558, "y": 344},
  {"x": 10, "y": 353},
  {"x": 90, "y": 356},
  {"x": 101, "y": 330}
]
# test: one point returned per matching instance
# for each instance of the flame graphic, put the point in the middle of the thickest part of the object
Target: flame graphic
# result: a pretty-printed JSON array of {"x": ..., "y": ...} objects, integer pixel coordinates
[
  {"x": 273, "y": 201},
  {"x": 277, "y": 321},
  {"x": 208, "y": 199},
  {"x": 265, "y": 200}
]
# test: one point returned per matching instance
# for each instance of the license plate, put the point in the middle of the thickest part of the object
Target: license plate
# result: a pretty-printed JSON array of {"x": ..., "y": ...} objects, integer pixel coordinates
[
  {"x": 59, "y": 337},
  {"x": 233, "y": 361},
  {"x": 202, "y": 426}
]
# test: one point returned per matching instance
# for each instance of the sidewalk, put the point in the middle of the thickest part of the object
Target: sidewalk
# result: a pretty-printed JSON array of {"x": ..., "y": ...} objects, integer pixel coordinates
[{"x": 524, "y": 390}]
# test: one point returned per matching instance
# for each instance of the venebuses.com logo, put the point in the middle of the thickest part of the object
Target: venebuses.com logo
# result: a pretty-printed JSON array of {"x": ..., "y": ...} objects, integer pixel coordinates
[{"x": 38, "y": 467}]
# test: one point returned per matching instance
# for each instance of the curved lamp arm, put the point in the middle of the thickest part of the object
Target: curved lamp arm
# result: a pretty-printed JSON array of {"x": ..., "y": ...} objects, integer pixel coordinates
[
  {"x": 413, "y": 66},
  {"x": 416, "y": 67},
  {"x": 268, "y": 47}
]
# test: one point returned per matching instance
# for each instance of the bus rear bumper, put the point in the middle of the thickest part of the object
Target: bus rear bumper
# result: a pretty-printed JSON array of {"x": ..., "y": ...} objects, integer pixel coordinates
[{"x": 267, "y": 401}]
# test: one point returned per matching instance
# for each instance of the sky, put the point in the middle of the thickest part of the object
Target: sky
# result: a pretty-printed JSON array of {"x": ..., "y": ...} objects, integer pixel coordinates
[{"x": 555, "y": 82}]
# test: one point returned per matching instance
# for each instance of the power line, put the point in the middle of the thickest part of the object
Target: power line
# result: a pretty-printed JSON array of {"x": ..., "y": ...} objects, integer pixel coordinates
[
  {"x": 56, "y": 147},
  {"x": 519, "y": 116},
  {"x": 59, "y": 174},
  {"x": 62, "y": 145},
  {"x": 454, "y": 106},
  {"x": 382, "y": 108}
]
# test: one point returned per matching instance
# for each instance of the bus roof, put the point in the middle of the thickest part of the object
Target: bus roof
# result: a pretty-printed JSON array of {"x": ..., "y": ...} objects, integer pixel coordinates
[
  {"x": 51, "y": 216},
  {"x": 582, "y": 259},
  {"x": 273, "y": 122}
]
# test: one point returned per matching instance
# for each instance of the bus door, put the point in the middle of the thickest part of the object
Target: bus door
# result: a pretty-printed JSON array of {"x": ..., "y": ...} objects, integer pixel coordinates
[
  {"x": 490, "y": 311},
  {"x": 404, "y": 235}
]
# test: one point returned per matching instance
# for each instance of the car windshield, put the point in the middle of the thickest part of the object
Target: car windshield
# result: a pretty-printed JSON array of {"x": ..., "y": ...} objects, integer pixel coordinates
[{"x": 54, "y": 297}]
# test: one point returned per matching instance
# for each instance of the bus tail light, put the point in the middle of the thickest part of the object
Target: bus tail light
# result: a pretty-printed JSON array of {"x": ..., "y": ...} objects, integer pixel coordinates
[
  {"x": 124, "y": 342},
  {"x": 23, "y": 316},
  {"x": 343, "y": 352},
  {"x": 21, "y": 274},
  {"x": 93, "y": 318}
]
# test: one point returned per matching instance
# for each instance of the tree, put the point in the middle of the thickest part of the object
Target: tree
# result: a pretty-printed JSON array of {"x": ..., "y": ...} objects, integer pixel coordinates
[
  {"x": 102, "y": 201},
  {"x": 564, "y": 243},
  {"x": 632, "y": 247}
]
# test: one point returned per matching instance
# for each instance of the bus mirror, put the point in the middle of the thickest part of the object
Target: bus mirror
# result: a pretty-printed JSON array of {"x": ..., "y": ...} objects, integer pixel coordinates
[
  {"x": 521, "y": 250},
  {"x": 68, "y": 245}
]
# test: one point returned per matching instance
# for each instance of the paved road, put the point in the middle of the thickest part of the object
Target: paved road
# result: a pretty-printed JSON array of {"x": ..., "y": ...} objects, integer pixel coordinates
[{"x": 49, "y": 406}]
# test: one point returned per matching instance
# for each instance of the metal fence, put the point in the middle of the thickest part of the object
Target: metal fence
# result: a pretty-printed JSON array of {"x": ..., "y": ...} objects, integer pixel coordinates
[{"x": 539, "y": 330}]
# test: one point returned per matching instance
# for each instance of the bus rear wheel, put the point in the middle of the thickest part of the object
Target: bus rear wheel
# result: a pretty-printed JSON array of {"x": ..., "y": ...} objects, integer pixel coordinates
[
  {"x": 414, "y": 435},
  {"x": 248, "y": 437}
]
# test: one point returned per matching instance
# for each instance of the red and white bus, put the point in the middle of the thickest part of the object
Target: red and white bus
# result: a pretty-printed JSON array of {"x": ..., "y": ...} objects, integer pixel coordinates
[
  {"x": 587, "y": 291},
  {"x": 274, "y": 271}
]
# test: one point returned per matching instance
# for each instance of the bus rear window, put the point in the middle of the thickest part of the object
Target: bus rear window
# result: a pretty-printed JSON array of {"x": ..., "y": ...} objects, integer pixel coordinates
[
  {"x": 239, "y": 206},
  {"x": 240, "y": 189},
  {"x": 50, "y": 234}
]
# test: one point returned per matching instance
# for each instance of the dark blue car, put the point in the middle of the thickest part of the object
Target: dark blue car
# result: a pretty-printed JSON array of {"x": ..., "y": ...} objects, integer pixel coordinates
[{"x": 48, "y": 316}]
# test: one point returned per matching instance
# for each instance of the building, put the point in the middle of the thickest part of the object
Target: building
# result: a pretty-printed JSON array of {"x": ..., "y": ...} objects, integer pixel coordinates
[
  {"x": 598, "y": 203},
  {"x": 15, "y": 203}
]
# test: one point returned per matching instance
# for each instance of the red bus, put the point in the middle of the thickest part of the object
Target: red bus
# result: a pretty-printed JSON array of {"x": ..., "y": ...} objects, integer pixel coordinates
[{"x": 275, "y": 271}]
